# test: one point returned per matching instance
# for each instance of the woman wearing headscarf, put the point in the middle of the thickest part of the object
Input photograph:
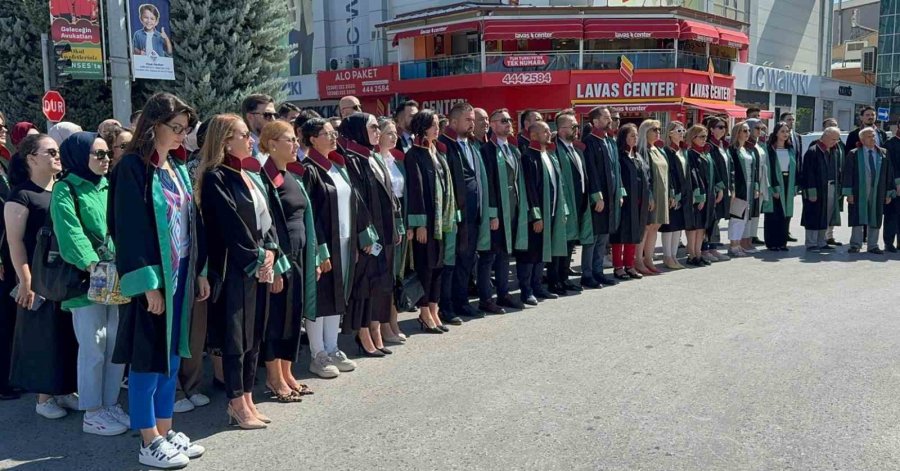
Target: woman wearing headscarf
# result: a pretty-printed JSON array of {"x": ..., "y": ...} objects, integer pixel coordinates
[
  {"x": 78, "y": 210},
  {"x": 294, "y": 290},
  {"x": 393, "y": 158},
  {"x": 658, "y": 169},
  {"x": 8, "y": 282},
  {"x": 159, "y": 253},
  {"x": 373, "y": 288},
  {"x": 782, "y": 187},
  {"x": 243, "y": 248},
  {"x": 61, "y": 131},
  {"x": 341, "y": 219},
  {"x": 44, "y": 346},
  {"x": 681, "y": 192}
]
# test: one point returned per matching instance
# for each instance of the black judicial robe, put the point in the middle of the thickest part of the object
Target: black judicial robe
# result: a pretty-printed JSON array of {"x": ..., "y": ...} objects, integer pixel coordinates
[
  {"x": 503, "y": 173},
  {"x": 816, "y": 173},
  {"x": 638, "y": 185},
  {"x": 421, "y": 199},
  {"x": 723, "y": 175},
  {"x": 703, "y": 178},
  {"x": 740, "y": 180},
  {"x": 681, "y": 187},
  {"x": 604, "y": 182},
  {"x": 868, "y": 207}
]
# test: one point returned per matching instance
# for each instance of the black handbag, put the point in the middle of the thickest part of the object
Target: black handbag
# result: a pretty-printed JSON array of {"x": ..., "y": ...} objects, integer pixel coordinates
[
  {"x": 51, "y": 276},
  {"x": 409, "y": 290}
]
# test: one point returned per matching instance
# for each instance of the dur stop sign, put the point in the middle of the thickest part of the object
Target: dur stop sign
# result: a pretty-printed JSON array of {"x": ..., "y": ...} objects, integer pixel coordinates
[{"x": 54, "y": 106}]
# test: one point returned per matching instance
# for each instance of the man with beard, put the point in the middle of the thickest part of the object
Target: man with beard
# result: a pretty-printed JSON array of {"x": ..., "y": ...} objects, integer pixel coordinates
[
  {"x": 402, "y": 117},
  {"x": 574, "y": 183},
  {"x": 867, "y": 120},
  {"x": 258, "y": 110},
  {"x": 526, "y": 119},
  {"x": 605, "y": 192},
  {"x": 503, "y": 165},
  {"x": 471, "y": 191}
]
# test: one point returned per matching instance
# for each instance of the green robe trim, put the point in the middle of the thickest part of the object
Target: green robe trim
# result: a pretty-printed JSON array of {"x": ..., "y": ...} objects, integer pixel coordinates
[
  {"x": 787, "y": 196},
  {"x": 311, "y": 259},
  {"x": 503, "y": 176},
  {"x": 867, "y": 206},
  {"x": 620, "y": 191},
  {"x": 555, "y": 242},
  {"x": 585, "y": 233}
]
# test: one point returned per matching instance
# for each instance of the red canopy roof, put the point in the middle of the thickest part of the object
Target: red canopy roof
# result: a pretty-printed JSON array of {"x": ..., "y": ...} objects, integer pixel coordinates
[
  {"x": 619, "y": 28},
  {"x": 735, "y": 39},
  {"x": 698, "y": 32},
  {"x": 440, "y": 29},
  {"x": 533, "y": 29},
  {"x": 732, "y": 110}
]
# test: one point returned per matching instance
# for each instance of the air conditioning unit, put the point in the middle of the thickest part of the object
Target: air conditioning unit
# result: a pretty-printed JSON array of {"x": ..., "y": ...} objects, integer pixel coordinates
[
  {"x": 361, "y": 62},
  {"x": 338, "y": 63},
  {"x": 868, "y": 60},
  {"x": 853, "y": 50}
]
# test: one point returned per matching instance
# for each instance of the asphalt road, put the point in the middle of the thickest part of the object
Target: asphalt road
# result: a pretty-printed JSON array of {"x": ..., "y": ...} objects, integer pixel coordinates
[{"x": 783, "y": 361}]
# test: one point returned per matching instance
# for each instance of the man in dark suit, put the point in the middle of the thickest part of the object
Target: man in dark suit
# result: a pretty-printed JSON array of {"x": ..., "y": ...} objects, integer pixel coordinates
[
  {"x": 402, "y": 117},
  {"x": 526, "y": 119},
  {"x": 892, "y": 209},
  {"x": 467, "y": 171},
  {"x": 867, "y": 118},
  {"x": 574, "y": 178}
]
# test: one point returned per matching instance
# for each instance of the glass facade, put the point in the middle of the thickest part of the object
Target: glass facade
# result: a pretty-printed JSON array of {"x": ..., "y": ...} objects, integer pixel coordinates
[{"x": 887, "y": 79}]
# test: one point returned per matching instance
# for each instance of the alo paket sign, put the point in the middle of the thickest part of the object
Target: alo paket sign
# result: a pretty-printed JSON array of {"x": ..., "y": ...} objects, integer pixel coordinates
[
  {"x": 357, "y": 82},
  {"x": 610, "y": 86}
]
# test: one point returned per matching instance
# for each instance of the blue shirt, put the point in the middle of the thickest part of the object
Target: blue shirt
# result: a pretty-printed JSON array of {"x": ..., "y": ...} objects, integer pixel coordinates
[{"x": 139, "y": 42}]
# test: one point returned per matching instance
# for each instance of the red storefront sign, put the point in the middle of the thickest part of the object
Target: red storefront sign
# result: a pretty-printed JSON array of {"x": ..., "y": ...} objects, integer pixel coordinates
[
  {"x": 649, "y": 85},
  {"x": 526, "y": 60},
  {"x": 501, "y": 30},
  {"x": 367, "y": 81}
]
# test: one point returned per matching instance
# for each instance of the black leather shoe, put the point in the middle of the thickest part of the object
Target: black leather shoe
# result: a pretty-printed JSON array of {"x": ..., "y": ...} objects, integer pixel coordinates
[
  {"x": 508, "y": 301},
  {"x": 834, "y": 242},
  {"x": 557, "y": 290},
  {"x": 590, "y": 283},
  {"x": 606, "y": 280},
  {"x": 531, "y": 301},
  {"x": 469, "y": 311},
  {"x": 791, "y": 239},
  {"x": 9, "y": 395},
  {"x": 622, "y": 275},
  {"x": 891, "y": 249},
  {"x": 876, "y": 251},
  {"x": 569, "y": 286},
  {"x": 572, "y": 272},
  {"x": 634, "y": 274},
  {"x": 758, "y": 241},
  {"x": 450, "y": 318},
  {"x": 814, "y": 249},
  {"x": 853, "y": 250},
  {"x": 544, "y": 294},
  {"x": 827, "y": 248},
  {"x": 490, "y": 307}
]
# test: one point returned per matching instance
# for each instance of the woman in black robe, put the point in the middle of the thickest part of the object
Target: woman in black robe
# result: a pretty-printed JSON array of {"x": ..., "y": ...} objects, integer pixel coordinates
[
  {"x": 342, "y": 234},
  {"x": 374, "y": 285},
  {"x": 681, "y": 190},
  {"x": 637, "y": 205},
  {"x": 705, "y": 196},
  {"x": 242, "y": 250}
]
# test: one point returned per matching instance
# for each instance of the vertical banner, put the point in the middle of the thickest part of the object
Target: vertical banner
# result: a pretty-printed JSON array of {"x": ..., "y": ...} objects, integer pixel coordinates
[
  {"x": 150, "y": 40},
  {"x": 77, "y": 34}
]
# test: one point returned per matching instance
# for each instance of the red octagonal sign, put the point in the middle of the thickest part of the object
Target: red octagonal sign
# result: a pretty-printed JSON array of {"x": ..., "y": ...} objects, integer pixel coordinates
[{"x": 54, "y": 106}]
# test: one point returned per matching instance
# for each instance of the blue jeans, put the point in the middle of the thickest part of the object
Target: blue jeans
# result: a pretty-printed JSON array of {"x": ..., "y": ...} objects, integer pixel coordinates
[
  {"x": 529, "y": 277},
  {"x": 99, "y": 379},
  {"x": 592, "y": 257}
]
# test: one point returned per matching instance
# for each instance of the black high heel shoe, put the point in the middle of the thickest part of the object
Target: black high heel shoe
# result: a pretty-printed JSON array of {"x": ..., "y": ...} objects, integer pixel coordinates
[
  {"x": 362, "y": 351},
  {"x": 386, "y": 351},
  {"x": 431, "y": 330}
]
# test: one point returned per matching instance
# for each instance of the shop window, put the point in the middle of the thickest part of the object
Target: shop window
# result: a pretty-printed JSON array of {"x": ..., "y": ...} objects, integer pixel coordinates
[
  {"x": 628, "y": 44},
  {"x": 783, "y": 100},
  {"x": 827, "y": 109},
  {"x": 752, "y": 99},
  {"x": 806, "y": 110}
]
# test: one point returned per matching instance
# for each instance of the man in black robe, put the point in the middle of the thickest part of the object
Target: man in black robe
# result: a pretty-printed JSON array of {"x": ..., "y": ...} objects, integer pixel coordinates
[
  {"x": 869, "y": 184},
  {"x": 867, "y": 120},
  {"x": 820, "y": 189},
  {"x": 604, "y": 181},
  {"x": 526, "y": 119},
  {"x": 892, "y": 209},
  {"x": 571, "y": 161},
  {"x": 402, "y": 117}
]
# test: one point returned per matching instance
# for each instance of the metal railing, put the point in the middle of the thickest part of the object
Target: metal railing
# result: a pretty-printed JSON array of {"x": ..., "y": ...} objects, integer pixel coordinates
[
  {"x": 610, "y": 60},
  {"x": 531, "y": 61},
  {"x": 441, "y": 67},
  {"x": 690, "y": 60}
]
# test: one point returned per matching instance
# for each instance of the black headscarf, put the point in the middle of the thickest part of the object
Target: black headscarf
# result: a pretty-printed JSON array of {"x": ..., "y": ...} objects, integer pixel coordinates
[
  {"x": 75, "y": 153},
  {"x": 355, "y": 128}
]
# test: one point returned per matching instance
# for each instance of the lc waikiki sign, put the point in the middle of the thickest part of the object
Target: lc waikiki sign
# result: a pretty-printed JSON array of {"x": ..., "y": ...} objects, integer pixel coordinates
[{"x": 649, "y": 85}]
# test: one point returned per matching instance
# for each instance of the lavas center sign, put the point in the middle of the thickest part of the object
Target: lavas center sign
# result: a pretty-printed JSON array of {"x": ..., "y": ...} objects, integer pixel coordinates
[
  {"x": 150, "y": 40},
  {"x": 76, "y": 32},
  {"x": 660, "y": 85}
]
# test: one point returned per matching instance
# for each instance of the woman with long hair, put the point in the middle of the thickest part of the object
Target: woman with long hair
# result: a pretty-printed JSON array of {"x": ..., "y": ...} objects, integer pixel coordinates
[
  {"x": 159, "y": 256},
  {"x": 117, "y": 139},
  {"x": 8, "y": 282},
  {"x": 242, "y": 248},
  {"x": 746, "y": 189},
  {"x": 373, "y": 288},
  {"x": 431, "y": 214},
  {"x": 681, "y": 195},
  {"x": 718, "y": 151},
  {"x": 297, "y": 239},
  {"x": 393, "y": 158},
  {"x": 782, "y": 187},
  {"x": 655, "y": 158},
  {"x": 706, "y": 192},
  {"x": 637, "y": 204},
  {"x": 340, "y": 217},
  {"x": 45, "y": 349}
]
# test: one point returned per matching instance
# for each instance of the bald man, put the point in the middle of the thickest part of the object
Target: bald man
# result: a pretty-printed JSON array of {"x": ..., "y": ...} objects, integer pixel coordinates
[
  {"x": 349, "y": 105},
  {"x": 869, "y": 184},
  {"x": 482, "y": 123}
]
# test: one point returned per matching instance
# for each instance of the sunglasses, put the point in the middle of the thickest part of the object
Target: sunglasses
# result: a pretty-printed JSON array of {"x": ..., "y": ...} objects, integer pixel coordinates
[
  {"x": 267, "y": 115},
  {"x": 101, "y": 155},
  {"x": 504, "y": 120},
  {"x": 3, "y": 127},
  {"x": 49, "y": 152},
  {"x": 121, "y": 146},
  {"x": 179, "y": 129},
  {"x": 679, "y": 130}
]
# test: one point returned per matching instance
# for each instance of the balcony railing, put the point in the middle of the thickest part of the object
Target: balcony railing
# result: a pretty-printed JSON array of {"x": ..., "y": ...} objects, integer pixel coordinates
[
  {"x": 689, "y": 60},
  {"x": 610, "y": 60},
  {"x": 441, "y": 67},
  {"x": 536, "y": 61}
]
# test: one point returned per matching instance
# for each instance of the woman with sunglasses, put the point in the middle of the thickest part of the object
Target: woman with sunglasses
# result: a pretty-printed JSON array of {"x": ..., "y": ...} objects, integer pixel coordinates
[
  {"x": 392, "y": 158},
  {"x": 78, "y": 209},
  {"x": 44, "y": 350},
  {"x": 658, "y": 169},
  {"x": 707, "y": 192},
  {"x": 746, "y": 190},
  {"x": 783, "y": 188},
  {"x": 340, "y": 217},
  {"x": 373, "y": 287},
  {"x": 159, "y": 254},
  {"x": 117, "y": 139},
  {"x": 757, "y": 142},
  {"x": 681, "y": 192},
  {"x": 637, "y": 204},
  {"x": 718, "y": 150}
]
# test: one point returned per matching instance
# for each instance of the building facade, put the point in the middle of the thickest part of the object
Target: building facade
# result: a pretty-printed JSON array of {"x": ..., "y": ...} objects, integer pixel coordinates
[{"x": 887, "y": 88}]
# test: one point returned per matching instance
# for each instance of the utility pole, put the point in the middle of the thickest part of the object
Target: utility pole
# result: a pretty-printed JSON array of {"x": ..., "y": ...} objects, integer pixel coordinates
[
  {"x": 47, "y": 63},
  {"x": 119, "y": 68}
]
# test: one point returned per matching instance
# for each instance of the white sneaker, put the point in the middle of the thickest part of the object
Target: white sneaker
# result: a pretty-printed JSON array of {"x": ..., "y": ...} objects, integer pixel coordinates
[
  {"x": 199, "y": 400},
  {"x": 708, "y": 257},
  {"x": 120, "y": 415},
  {"x": 162, "y": 454},
  {"x": 50, "y": 409},
  {"x": 102, "y": 423},
  {"x": 607, "y": 262},
  {"x": 183, "y": 405},
  {"x": 323, "y": 366},
  {"x": 341, "y": 361},
  {"x": 69, "y": 401},
  {"x": 183, "y": 444}
]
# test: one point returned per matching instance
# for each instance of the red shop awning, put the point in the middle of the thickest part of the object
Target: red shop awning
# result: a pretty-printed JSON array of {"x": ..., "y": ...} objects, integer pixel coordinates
[
  {"x": 533, "y": 29},
  {"x": 618, "y": 28},
  {"x": 430, "y": 30},
  {"x": 698, "y": 32},
  {"x": 735, "y": 39},
  {"x": 732, "y": 110}
]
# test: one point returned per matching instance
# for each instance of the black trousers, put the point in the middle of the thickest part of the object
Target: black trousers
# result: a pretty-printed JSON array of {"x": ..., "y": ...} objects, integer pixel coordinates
[
  {"x": 558, "y": 272},
  {"x": 239, "y": 372},
  {"x": 776, "y": 226},
  {"x": 891, "y": 226}
]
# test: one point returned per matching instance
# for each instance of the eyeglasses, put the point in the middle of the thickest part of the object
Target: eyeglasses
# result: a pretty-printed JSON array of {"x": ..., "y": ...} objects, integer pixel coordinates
[
  {"x": 331, "y": 134},
  {"x": 268, "y": 116},
  {"x": 179, "y": 129},
  {"x": 292, "y": 140},
  {"x": 101, "y": 154},
  {"x": 49, "y": 152},
  {"x": 655, "y": 129}
]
